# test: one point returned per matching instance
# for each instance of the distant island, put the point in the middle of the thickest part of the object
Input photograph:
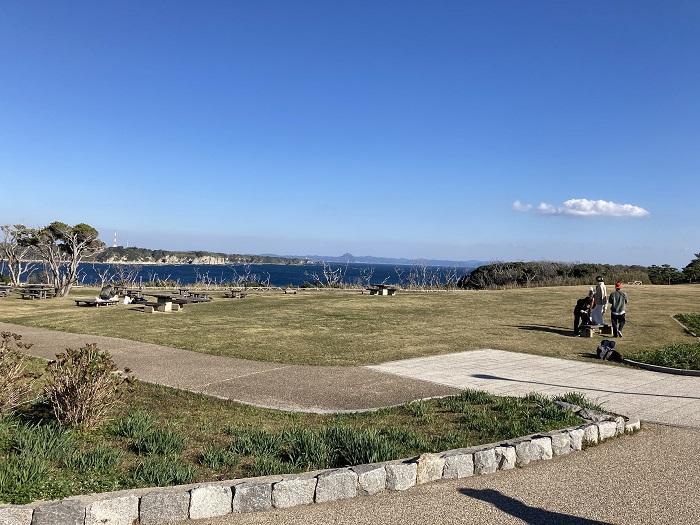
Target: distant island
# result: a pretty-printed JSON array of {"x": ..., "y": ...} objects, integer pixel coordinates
[
  {"x": 368, "y": 259},
  {"x": 134, "y": 255}
]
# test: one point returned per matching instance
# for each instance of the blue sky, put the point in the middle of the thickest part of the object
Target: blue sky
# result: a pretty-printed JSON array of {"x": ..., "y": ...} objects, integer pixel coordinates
[{"x": 382, "y": 128}]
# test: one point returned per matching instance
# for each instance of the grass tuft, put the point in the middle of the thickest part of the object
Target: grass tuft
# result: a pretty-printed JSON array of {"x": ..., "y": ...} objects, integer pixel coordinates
[
  {"x": 159, "y": 441},
  {"x": 163, "y": 471},
  {"x": 135, "y": 425}
]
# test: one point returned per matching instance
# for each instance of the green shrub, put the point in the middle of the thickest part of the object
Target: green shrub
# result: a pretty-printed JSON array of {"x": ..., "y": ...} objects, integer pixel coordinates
[
  {"x": 159, "y": 441},
  {"x": 15, "y": 383},
  {"x": 82, "y": 386},
  {"x": 134, "y": 425},
  {"x": 98, "y": 459},
  {"x": 163, "y": 471}
]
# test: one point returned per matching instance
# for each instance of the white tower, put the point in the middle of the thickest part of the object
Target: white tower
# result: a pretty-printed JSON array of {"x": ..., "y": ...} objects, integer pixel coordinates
[{"x": 114, "y": 244}]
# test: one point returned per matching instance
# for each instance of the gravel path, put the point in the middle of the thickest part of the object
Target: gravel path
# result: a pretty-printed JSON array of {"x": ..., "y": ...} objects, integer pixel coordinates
[
  {"x": 300, "y": 388},
  {"x": 648, "y": 478}
]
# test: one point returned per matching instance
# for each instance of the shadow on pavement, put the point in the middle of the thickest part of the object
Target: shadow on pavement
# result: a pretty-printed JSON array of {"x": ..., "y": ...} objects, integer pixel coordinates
[
  {"x": 549, "y": 329},
  {"x": 499, "y": 378},
  {"x": 530, "y": 515}
]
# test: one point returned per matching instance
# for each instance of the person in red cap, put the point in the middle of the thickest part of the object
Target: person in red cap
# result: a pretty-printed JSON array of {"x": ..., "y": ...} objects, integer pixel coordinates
[{"x": 618, "y": 302}]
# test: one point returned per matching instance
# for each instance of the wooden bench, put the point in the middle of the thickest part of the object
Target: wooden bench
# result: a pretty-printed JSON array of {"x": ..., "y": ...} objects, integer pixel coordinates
[{"x": 95, "y": 302}]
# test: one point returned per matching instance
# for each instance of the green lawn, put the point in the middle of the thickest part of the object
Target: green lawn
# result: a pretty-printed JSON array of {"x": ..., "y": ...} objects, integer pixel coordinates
[
  {"x": 347, "y": 328},
  {"x": 162, "y": 436}
]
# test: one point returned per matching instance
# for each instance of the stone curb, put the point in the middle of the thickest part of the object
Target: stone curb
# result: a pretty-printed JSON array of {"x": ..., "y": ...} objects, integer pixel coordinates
[{"x": 162, "y": 506}]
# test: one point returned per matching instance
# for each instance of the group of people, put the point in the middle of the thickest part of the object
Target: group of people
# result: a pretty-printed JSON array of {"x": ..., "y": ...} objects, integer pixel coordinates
[{"x": 590, "y": 310}]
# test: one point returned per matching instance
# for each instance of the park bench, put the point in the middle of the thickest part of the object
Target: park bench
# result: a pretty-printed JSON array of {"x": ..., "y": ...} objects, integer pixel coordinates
[
  {"x": 95, "y": 302},
  {"x": 235, "y": 294}
]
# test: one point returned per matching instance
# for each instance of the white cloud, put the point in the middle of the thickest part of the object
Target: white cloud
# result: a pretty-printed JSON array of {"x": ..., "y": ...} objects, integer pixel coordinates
[
  {"x": 584, "y": 208},
  {"x": 521, "y": 206}
]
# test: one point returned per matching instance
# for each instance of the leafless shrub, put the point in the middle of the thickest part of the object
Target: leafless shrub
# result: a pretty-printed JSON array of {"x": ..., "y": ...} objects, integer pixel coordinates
[
  {"x": 83, "y": 386},
  {"x": 15, "y": 383},
  {"x": 329, "y": 277}
]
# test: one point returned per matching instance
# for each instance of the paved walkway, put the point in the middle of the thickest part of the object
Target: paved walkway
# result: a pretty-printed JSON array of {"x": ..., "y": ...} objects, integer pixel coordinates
[
  {"x": 648, "y": 478},
  {"x": 269, "y": 385},
  {"x": 653, "y": 396}
]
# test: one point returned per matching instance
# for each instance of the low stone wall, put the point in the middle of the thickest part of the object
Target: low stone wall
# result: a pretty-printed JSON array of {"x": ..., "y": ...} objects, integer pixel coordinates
[{"x": 208, "y": 500}]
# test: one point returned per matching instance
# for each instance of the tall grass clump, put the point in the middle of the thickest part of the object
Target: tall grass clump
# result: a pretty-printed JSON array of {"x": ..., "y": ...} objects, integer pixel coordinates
[
  {"x": 216, "y": 457},
  {"x": 99, "y": 459},
  {"x": 255, "y": 441},
  {"x": 134, "y": 425},
  {"x": 22, "y": 477},
  {"x": 161, "y": 471},
  {"x": 580, "y": 399},
  {"x": 82, "y": 386},
  {"x": 15, "y": 382},
  {"x": 47, "y": 441},
  {"x": 160, "y": 441}
]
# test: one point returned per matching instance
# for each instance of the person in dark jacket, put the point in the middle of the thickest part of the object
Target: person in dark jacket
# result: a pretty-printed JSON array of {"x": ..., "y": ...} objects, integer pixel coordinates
[
  {"x": 108, "y": 292},
  {"x": 582, "y": 311},
  {"x": 618, "y": 302}
]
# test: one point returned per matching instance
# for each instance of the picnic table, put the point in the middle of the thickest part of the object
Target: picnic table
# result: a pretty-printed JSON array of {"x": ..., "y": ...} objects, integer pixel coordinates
[
  {"x": 381, "y": 289},
  {"x": 5, "y": 290},
  {"x": 235, "y": 294},
  {"x": 36, "y": 291},
  {"x": 164, "y": 301}
]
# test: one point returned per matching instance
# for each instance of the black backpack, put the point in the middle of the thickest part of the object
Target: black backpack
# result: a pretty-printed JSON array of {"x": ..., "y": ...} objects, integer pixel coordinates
[{"x": 606, "y": 351}]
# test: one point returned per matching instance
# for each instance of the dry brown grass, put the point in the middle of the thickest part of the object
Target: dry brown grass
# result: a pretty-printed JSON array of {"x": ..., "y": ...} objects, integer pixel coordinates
[{"x": 342, "y": 328}]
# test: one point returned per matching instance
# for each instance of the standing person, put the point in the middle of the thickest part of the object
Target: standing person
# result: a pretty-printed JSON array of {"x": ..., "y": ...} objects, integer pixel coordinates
[
  {"x": 618, "y": 301},
  {"x": 582, "y": 311},
  {"x": 601, "y": 299}
]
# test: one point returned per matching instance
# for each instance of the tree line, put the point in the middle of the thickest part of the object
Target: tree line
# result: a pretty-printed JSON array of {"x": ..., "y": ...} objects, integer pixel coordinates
[{"x": 548, "y": 273}]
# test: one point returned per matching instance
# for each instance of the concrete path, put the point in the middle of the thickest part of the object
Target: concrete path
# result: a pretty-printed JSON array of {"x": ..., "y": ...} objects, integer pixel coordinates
[
  {"x": 652, "y": 396},
  {"x": 269, "y": 385},
  {"x": 648, "y": 478}
]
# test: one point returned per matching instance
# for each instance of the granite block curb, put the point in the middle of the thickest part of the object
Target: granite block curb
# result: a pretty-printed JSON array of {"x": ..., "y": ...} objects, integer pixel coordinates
[{"x": 163, "y": 506}]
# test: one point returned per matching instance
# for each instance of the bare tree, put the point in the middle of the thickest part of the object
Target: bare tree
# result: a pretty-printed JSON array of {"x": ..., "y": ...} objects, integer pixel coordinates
[{"x": 15, "y": 246}]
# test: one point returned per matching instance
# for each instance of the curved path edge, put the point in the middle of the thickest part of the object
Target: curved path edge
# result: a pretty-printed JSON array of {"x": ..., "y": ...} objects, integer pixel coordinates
[{"x": 297, "y": 388}]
